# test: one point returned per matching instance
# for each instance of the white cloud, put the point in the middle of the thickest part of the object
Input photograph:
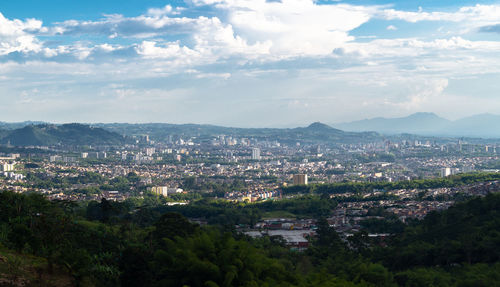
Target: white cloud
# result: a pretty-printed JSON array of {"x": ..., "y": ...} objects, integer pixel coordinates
[
  {"x": 280, "y": 29},
  {"x": 277, "y": 59},
  {"x": 149, "y": 49},
  {"x": 209, "y": 37},
  {"x": 14, "y": 36},
  {"x": 224, "y": 76},
  {"x": 295, "y": 27},
  {"x": 215, "y": 38},
  {"x": 119, "y": 26},
  {"x": 167, "y": 9},
  {"x": 418, "y": 94},
  {"x": 477, "y": 15},
  {"x": 412, "y": 47}
]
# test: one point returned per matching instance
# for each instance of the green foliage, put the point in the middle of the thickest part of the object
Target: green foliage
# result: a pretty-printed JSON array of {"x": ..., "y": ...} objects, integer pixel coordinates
[
  {"x": 70, "y": 134},
  {"x": 209, "y": 258},
  {"x": 133, "y": 244},
  {"x": 467, "y": 233}
]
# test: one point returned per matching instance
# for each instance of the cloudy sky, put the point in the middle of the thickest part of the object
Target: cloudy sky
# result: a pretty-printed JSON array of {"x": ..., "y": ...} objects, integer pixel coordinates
[{"x": 247, "y": 62}]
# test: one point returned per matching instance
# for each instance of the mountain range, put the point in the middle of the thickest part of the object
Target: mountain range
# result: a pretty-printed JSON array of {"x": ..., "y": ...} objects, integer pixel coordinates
[
  {"x": 18, "y": 125},
  {"x": 115, "y": 134},
  {"x": 66, "y": 134},
  {"x": 430, "y": 124},
  {"x": 420, "y": 124},
  {"x": 314, "y": 133}
]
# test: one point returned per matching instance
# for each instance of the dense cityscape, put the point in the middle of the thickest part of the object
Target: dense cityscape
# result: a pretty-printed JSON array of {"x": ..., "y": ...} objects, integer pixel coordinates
[{"x": 179, "y": 169}]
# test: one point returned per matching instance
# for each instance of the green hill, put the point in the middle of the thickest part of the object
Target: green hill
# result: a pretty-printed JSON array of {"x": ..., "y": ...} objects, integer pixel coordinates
[{"x": 66, "y": 134}]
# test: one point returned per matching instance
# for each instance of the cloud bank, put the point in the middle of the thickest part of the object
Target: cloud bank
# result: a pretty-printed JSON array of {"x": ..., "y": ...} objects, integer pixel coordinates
[{"x": 284, "y": 62}]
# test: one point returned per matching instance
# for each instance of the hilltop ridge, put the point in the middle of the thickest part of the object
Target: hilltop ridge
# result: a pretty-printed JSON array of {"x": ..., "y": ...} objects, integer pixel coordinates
[{"x": 66, "y": 134}]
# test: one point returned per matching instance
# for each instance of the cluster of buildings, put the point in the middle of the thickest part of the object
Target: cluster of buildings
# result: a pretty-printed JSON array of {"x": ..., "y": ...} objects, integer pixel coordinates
[
  {"x": 165, "y": 190},
  {"x": 348, "y": 217},
  {"x": 447, "y": 171},
  {"x": 263, "y": 167},
  {"x": 8, "y": 167},
  {"x": 253, "y": 196},
  {"x": 267, "y": 164},
  {"x": 257, "y": 161},
  {"x": 295, "y": 232}
]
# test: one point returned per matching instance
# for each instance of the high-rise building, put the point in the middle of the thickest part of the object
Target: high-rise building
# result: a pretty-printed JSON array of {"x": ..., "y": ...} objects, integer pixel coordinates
[
  {"x": 54, "y": 158},
  {"x": 6, "y": 167},
  {"x": 256, "y": 153},
  {"x": 159, "y": 190},
  {"x": 446, "y": 171},
  {"x": 150, "y": 151},
  {"x": 299, "y": 179}
]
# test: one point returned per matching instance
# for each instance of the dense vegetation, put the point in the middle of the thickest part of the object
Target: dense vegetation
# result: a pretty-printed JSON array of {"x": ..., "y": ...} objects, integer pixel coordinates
[
  {"x": 66, "y": 134},
  {"x": 133, "y": 244},
  {"x": 466, "y": 233}
]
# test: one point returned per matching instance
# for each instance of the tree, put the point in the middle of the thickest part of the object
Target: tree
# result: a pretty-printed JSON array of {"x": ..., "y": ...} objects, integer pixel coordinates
[{"x": 173, "y": 224}]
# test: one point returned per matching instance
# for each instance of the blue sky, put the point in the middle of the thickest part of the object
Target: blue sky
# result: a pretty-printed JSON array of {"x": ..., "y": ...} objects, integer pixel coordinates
[{"x": 247, "y": 63}]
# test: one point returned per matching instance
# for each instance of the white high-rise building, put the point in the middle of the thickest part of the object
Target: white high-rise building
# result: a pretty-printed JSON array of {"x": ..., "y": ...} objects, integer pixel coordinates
[
  {"x": 446, "y": 171},
  {"x": 256, "y": 153},
  {"x": 160, "y": 190},
  {"x": 6, "y": 166},
  {"x": 150, "y": 151}
]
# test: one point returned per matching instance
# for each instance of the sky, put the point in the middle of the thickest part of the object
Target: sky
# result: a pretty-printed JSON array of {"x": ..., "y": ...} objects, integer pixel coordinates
[{"x": 247, "y": 63}]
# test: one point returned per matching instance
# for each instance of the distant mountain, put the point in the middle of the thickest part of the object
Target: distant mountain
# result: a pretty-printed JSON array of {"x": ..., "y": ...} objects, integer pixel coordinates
[
  {"x": 419, "y": 123},
  {"x": 484, "y": 125},
  {"x": 18, "y": 125},
  {"x": 3, "y": 133},
  {"x": 316, "y": 132},
  {"x": 317, "y": 126},
  {"x": 66, "y": 134}
]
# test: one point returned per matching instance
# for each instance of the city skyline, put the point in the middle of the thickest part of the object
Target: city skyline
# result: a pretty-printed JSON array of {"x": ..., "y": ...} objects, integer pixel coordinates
[{"x": 247, "y": 63}]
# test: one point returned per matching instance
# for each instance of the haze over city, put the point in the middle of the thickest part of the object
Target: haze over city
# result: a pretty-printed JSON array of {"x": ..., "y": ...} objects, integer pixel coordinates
[{"x": 247, "y": 63}]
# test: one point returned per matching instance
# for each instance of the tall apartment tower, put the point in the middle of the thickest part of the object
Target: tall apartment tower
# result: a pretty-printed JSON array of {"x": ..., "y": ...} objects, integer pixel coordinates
[
  {"x": 300, "y": 179},
  {"x": 256, "y": 153}
]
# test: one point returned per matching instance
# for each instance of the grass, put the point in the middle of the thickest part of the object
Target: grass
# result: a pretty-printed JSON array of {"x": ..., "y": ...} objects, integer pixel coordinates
[
  {"x": 26, "y": 270},
  {"x": 278, "y": 214}
]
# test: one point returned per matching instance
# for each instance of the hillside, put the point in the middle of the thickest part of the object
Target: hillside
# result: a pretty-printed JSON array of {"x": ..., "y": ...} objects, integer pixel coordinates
[
  {"x": 129, "y": 244},
  {"x": 18, "y": 125},
  {"x": 3, "y": 133},
  {"x": 316, "y": 132},
  {"x": 17, "y": 269},
  {"x": 66, "y": 134}
]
